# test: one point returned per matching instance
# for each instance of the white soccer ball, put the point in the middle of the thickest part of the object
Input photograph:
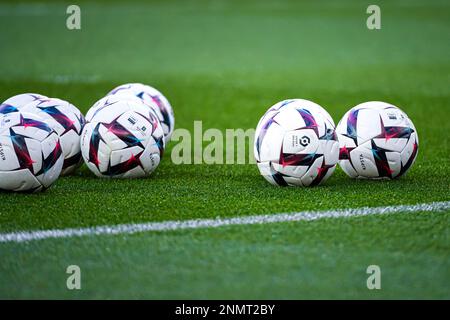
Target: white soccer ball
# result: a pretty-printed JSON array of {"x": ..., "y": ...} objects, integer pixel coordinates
[
  {"x": 16, "y": 102},
  {"x": 67, "y": 121},
  {"x": 31, "y": 156},
  {"x": 153, "y": 98},
  {"x": 296, "y": 144},
  {"x": 123, "y": 141},
  {"x": 377, "y": 140}
]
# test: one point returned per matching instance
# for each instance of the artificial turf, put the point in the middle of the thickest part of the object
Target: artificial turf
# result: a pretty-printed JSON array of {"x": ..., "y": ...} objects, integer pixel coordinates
[
  {"x": 225, "y": 63},
  {"x": 308, "y": 260}
]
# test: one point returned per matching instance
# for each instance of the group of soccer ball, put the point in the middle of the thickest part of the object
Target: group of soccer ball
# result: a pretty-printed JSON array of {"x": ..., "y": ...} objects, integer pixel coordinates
[
  {"x": 123, "y": 135},
  {"x": 296, "y": 143}
]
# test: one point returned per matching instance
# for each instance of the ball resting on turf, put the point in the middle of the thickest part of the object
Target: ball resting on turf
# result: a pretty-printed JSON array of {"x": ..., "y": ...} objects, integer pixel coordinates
[
  {"x": 296, "y": 144},
  {"x": 377, "y": 141},
  {"x": 123, "y": 140},
  {"x": 31, "y": 157}
]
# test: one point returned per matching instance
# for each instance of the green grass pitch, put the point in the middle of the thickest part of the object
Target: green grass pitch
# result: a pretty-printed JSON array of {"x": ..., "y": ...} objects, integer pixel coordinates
[{"x": 225, "y": 63}]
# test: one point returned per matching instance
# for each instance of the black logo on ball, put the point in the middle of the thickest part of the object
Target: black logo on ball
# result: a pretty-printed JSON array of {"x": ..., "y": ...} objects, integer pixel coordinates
[{"x": 304, "y": 141}]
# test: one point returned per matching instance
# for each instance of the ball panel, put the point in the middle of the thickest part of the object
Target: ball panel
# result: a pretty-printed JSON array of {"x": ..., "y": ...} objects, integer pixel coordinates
[
  {"x": 94, "y": 150},
  {"x": 291, "y": 118},
  {"x": 292, "y": 171},
  {"x": 128, "y": 155},
  {"x": 8, "y": 157},
  {"x": 70, "y": 143},
  {"x": 363, "y": 160},
  {"x": 394, "y": 144},
  {"x": 52, "y": 160},
  {"x": 103, "y": 154},
  {"x": 367, "y": 125},
  {"x": 409, "y": 154},
  {"x": 136, "y": 172},
  {"x": 125, "y": 160},
  {"x": 312, "y": 172},
  {"x": 19, "y": 180},
  {"x": 35, "y": 150},
  {"x": 111, "y": 134},
  {"x": 394, "y": 163},
  {"x": 25, "y": 125},
  {"x": 330, "y": 150},
  {"x": 268, "y": 144},
  {"x": 292, "y": 181},
  {"x": 151, "y": 157}
]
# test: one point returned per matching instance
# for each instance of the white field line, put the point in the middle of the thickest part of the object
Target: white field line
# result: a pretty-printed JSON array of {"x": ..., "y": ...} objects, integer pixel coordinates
[{"x": 25, "y": 236}]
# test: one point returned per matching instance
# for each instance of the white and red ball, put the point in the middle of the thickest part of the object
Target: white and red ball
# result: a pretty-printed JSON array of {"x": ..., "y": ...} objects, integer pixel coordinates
[
  {"x": 123, "y": 140},
  {"x": 154, "y": 99},
  {"x": 296, "y": 144},
  {"x": 31, "y": 157},
  {"x": 377, "y": 141}
]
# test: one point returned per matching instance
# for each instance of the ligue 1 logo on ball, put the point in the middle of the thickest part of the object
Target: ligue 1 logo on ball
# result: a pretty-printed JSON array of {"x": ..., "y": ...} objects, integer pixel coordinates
[{"x": 304, "y": 141}]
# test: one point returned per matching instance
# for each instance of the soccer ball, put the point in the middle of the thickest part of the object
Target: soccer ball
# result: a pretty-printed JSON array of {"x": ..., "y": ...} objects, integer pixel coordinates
[
  {"x": 31, "y": 156},
  {"x": 153, "y": 98},
  {"x": 15, "y": 103},
  {"x": 67, "y": 121},
  {"x": 296, "y": 144},
  {"x": 377, "y": 140},
  {"x": 123, "y": 141}
]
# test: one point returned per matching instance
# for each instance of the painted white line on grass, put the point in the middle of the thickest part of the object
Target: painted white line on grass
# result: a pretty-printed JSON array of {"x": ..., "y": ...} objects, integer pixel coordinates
[{"x": 215, "y": 223}]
